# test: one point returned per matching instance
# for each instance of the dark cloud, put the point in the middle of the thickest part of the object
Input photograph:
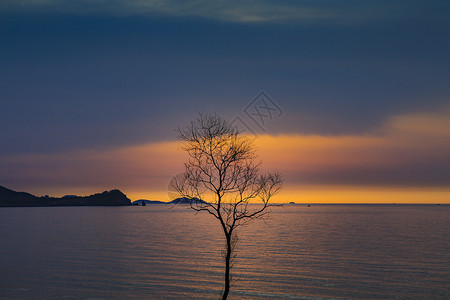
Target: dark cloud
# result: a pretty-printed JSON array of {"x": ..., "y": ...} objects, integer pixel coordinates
[
  {"x": 244, "y": 11},
  {"x": 77, "y": 80}
]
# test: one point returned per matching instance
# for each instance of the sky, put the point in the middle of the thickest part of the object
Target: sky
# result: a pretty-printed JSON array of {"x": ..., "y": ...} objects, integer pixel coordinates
[{"x": 349, "y": 100}]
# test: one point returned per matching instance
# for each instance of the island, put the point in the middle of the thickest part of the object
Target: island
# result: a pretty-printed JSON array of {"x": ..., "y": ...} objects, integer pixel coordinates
[
  {"x": 177, "y": 201},
  {"x": 144, "y": 202},
  {"x": 10, "y": 198}
]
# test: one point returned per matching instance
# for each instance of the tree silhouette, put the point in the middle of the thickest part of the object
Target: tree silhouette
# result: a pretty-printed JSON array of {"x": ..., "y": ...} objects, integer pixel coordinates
[{"x": 223, "y": 170}]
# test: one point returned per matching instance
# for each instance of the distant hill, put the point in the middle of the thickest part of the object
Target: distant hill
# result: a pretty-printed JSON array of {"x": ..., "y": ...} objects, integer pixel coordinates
[
  {"x": 17, "y": 199},
  {"x": 9, "y": 197},
  {"x": 185, "y": 200},
  {"x": 182, "y": 200},
  {"x": 140, "y": 201}
]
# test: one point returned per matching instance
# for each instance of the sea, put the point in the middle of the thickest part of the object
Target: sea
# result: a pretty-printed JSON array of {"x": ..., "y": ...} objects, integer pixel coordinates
[{"x": 171, "y": 252}]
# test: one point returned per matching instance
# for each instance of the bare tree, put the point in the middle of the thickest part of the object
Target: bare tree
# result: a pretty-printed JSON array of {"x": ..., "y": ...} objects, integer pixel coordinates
[{"x": 223, "y": 170}]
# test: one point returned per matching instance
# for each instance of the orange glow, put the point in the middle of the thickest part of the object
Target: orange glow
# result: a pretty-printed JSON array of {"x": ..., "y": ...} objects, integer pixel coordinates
[
  {"x": 317, "y": 169},
  {"x": 357, "y": 194},
  {"x": 317, "y": 152},
  {"x": 338, "y": 194}
]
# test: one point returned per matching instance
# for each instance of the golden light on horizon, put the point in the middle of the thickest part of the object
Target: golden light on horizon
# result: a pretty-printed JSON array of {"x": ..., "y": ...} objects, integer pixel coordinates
[
  {"x": 374, "y": 168},
  {"x": 337, "y": 194},
  {"x": 362, "y": 194}
]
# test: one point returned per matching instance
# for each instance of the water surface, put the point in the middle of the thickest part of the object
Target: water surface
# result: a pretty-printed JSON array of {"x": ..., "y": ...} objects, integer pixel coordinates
[{"x": 155, "y": 252}]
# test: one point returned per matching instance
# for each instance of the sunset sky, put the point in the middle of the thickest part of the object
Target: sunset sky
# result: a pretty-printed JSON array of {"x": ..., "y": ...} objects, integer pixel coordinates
[{"x": 353, "y": 96}]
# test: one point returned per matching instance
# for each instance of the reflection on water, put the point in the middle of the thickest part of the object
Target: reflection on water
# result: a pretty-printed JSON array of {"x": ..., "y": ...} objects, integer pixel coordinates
[{"x": 153, "y": 252}]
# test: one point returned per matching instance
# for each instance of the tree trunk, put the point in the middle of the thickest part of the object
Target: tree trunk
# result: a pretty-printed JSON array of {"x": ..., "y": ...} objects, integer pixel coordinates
[{"x": 227, "y": 268}]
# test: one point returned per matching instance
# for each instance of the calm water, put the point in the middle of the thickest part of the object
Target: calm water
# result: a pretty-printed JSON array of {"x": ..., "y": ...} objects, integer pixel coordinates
[{"x": 153, "y": 252}]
